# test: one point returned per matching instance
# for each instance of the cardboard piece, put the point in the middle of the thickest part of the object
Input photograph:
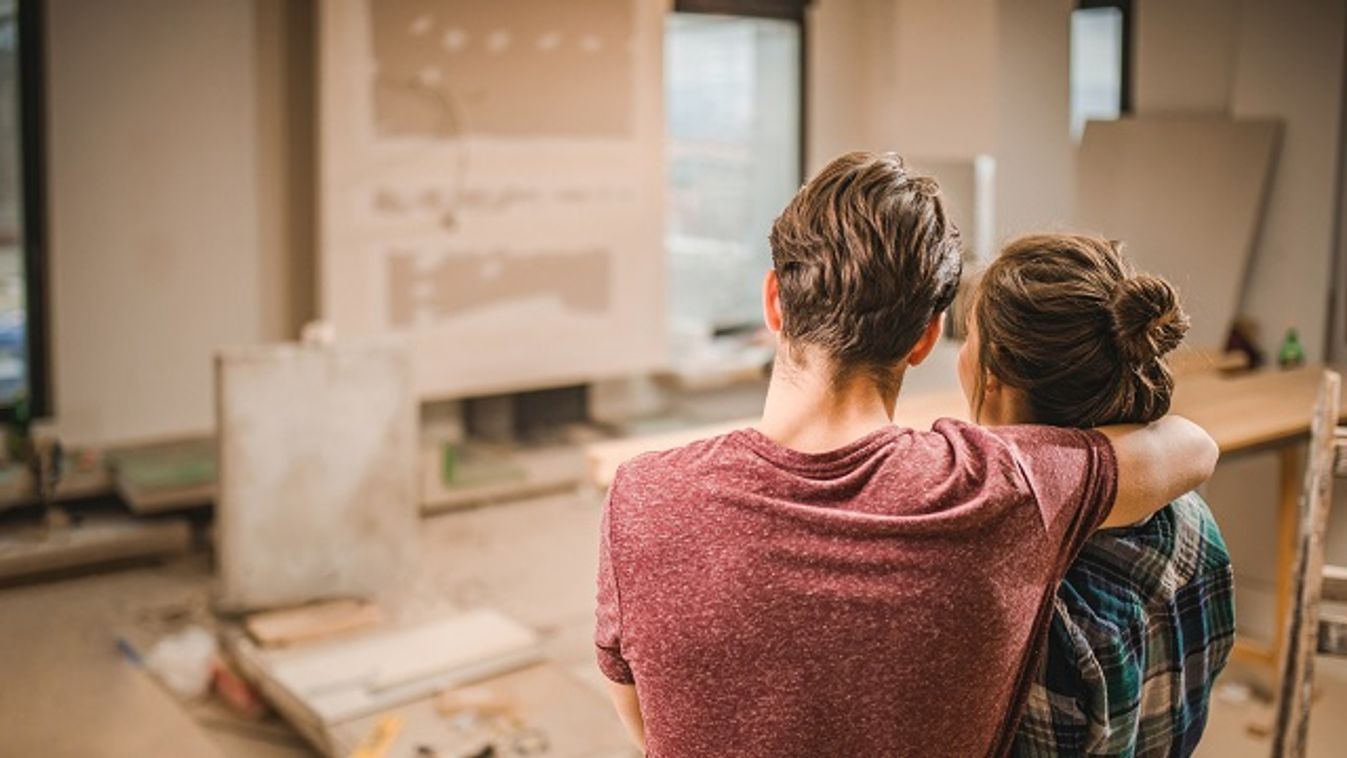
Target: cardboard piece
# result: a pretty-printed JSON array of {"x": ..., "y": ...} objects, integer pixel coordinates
[
  {"x": 1186, "y": 196},
  {"x": 307, "y": 623},
  {"x": 317, "y": 474}
]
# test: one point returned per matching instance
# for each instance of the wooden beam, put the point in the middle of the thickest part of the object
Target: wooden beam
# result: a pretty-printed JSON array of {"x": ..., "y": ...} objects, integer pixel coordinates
[{"x": 1335, "y": 584}]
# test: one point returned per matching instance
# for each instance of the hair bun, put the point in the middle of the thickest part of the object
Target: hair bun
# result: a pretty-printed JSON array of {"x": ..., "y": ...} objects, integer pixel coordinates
[{"x": 1147, "y": 319}]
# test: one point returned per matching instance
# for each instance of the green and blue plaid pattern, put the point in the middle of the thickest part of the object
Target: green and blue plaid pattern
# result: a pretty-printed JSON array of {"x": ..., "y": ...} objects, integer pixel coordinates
[{"x": 1143, "y": 622}]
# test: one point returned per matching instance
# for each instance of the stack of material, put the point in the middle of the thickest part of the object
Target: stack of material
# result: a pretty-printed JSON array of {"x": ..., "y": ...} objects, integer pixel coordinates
[
  {"x": 320, "y": 685},
  {"x": 165, "y": 476}
]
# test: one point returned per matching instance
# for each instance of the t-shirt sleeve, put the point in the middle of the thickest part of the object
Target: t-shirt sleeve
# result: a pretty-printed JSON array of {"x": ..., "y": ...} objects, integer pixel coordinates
[
  {"x": 1073, "y": 474},
  {"x": 608, "y": 612}
]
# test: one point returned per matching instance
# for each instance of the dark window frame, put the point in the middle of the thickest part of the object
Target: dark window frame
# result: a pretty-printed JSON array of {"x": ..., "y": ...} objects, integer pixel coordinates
[
  {"x": 785, "y": 10},
  {"x": 1128, "y": 11},
  {"x": 32, "y": 128}
]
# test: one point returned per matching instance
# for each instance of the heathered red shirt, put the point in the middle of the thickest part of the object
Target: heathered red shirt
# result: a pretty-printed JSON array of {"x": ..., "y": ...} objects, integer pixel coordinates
[{"x": 875, "y": 600}]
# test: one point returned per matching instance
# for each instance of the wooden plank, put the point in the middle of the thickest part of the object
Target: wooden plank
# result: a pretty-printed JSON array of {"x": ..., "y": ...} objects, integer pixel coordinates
[
  {"x": 1288, "y": 533},
  {"x": 575, "y": 720},
  {"x": 603, "y": 458},
  {"x": 327, "y": 682},
  {"x": 1194, "y": 360},
  {"x": 1335, "y": 584},
  {"x": 290, "y": 626},
  {"x": 1253, "y": 410},
  {"x": 1241, "y": 412},
  {"x": 33, "y": 551}
]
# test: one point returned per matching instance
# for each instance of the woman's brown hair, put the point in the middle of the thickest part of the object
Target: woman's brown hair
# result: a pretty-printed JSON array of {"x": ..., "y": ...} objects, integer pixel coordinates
[{"x": 1066, "y": 320}]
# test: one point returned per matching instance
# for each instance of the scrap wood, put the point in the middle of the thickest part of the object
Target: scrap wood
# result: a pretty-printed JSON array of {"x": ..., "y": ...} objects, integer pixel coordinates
[
  {"x": 323, "y": 685},
  {"x": 381, "y": 737},
  {"x": 305, "y": 623}
]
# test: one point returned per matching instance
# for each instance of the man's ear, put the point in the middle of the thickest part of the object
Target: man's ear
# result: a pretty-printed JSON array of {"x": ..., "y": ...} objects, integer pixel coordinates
[
  {"x": 771, "y": 301},
  {"x": 929, "y": 338}
]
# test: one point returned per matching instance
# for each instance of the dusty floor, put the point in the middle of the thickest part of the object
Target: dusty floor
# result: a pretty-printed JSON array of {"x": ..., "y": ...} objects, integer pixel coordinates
[{"x": 68, "y": 691}]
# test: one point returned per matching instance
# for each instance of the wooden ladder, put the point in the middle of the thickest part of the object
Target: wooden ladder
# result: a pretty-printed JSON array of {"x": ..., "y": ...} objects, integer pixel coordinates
[{"x": 1308, "y": 631}]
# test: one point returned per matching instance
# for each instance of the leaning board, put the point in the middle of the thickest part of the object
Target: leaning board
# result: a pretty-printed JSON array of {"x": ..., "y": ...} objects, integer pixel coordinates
[
  {"x": 1186, "y": 196},
  {"x": 317, "y": 471}
]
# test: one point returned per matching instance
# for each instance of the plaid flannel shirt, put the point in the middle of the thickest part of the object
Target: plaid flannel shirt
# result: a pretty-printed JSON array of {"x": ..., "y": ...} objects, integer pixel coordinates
[{"x": 1143, "y": 622}]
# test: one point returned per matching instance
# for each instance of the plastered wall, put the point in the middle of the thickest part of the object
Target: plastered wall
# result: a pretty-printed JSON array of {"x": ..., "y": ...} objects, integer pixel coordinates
[{"x": 175, "y": 225}]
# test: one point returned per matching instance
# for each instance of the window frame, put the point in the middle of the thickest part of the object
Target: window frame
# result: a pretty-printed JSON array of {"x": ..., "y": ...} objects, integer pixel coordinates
[
  {"x": 32, "y": 145},
  {"x": 784, "y": 10},
  {"x": 1126, "y": 8}
]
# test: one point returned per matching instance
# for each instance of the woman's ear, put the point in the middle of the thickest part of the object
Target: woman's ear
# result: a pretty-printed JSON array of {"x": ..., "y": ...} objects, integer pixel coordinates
[
  {"x": 771, "y": 301},
  {"x": 991, "y": 386},
  {"x": 999, "y": 402}
]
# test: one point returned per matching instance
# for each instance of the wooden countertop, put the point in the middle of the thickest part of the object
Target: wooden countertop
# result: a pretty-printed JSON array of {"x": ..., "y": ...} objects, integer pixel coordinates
[{"x": 1240, "y": 412}]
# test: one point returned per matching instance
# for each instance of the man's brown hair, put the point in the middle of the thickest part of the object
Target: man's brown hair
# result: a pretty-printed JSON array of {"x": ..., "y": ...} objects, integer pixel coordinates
[
  {"x": 1066, "y": 319},
  {"x": 865, "y": 256}
]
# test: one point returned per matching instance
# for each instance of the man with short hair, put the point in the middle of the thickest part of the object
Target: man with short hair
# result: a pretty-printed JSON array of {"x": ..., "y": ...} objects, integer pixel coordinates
[{"x": 827, "y": 583}]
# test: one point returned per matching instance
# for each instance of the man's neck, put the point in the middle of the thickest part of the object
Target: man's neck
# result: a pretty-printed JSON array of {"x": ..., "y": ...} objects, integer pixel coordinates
[{"x": 804, "y": 412}]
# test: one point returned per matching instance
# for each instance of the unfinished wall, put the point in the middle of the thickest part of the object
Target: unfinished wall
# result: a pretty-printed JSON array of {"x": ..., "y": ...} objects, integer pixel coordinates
[
  {"x": 939, "y": 64},
  {"x": 491, "y": 185},
  {"x": 839, "y": 80},
  {"x": 1184, "y": 55},
  {"x": 950, "y": 80},
  {"x": 1289, "y": 65},
  {"x": 1035, "y": 157},
  {"x": 173, "y": 225},
  {"x": 1262, "y": 58}
]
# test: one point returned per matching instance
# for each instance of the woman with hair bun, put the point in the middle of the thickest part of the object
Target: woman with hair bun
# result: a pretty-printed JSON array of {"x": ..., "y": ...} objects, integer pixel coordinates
[{"x": 1063, "y": 332}]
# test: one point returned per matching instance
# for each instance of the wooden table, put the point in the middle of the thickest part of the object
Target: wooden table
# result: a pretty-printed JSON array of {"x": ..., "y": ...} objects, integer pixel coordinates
[
  {"x": 1267, "y": 410},
  {"x": 1249, "y": 413}
]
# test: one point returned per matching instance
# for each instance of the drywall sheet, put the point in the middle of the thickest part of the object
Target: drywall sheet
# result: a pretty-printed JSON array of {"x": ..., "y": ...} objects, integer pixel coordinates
[
  {"x": 317, "y": 479},
  {"x": 321, "y": 686},
  {"x": 1186, "y": 196},
  {"x": 490, "y": 186}
]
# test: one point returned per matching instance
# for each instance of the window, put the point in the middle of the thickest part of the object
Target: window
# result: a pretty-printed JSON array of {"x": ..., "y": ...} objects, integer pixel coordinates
[
  {"x": 1100, "y": 63},
  {"x": 734, "y": 114},
  {"x": 22, "y": 283}
]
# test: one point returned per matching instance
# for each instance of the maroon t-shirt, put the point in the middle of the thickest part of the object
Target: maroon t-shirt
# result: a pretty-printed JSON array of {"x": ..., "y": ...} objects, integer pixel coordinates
[{"x": 875, "y": 600}]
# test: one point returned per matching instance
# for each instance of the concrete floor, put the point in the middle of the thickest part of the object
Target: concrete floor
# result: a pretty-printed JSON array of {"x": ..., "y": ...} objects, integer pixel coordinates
[{"x": 67, "y": 689}]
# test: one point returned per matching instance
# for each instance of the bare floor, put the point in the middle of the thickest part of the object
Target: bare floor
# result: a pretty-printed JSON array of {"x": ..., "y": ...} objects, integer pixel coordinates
[{"x": 68, "y": 691}]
